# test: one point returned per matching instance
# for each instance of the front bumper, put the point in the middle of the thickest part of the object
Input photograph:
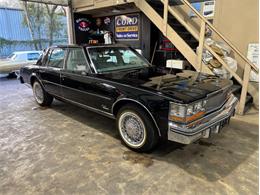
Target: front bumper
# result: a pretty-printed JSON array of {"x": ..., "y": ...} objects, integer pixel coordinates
[{"x": 203, "y": 127}]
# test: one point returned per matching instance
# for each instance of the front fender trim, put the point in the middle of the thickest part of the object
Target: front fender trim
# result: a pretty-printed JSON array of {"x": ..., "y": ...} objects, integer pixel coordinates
[{"x": 143, "y": 106}]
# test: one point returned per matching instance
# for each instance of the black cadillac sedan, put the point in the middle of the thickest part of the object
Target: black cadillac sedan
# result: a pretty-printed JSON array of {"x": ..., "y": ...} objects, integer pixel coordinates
[{"x": 149, "y": 104}]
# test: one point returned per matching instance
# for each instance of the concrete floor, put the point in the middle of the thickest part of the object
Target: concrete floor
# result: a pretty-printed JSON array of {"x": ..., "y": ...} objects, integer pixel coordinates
[{"x": 67, "y": 150}]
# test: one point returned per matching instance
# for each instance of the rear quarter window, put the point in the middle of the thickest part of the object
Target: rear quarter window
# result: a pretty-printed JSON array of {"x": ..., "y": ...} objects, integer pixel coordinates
[{"x": 56, "y": 58}]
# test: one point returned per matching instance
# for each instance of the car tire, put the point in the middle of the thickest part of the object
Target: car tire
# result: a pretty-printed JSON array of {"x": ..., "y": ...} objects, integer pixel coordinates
[
  {"x": 40, "y": 95},
  {"x": 136, "y": 128},
  {"x": 11, "y": 75}
]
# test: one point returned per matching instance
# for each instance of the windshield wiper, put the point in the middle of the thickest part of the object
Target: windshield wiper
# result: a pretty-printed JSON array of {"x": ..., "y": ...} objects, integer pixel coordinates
[{"x": 124, "y": 69}]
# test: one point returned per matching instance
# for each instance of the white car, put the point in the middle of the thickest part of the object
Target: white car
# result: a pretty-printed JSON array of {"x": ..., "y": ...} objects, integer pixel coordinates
[{"x": 18, "y": 59}]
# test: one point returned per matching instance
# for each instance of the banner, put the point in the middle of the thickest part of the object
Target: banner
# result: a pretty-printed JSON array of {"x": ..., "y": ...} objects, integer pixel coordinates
[{"x": 127, "y": 27}]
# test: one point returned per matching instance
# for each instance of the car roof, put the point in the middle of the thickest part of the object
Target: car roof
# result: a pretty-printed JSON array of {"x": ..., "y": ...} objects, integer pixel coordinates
[
  {"x": 89, "y": 45},
  {"x": 105, "y": 45}
]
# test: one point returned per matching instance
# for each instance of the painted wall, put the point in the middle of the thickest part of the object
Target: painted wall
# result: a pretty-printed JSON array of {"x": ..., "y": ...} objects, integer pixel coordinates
[{"x": 238, "y": 21}]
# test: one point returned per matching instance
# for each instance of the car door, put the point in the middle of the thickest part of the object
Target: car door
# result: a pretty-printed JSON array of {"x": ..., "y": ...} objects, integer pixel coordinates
[
  {"x": 80, "y": 85},
  {"x": 50, "y": 73}
]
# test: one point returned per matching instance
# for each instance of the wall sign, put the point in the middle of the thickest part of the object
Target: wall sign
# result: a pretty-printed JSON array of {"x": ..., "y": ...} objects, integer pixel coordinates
[
  {"x": 127, "y": 27},
  {"x": 209, "y": 8},
  {"x": 83, "y": 24}
]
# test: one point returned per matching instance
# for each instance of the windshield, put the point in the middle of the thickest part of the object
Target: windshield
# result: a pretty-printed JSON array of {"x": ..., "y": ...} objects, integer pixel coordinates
[
  {"x": 116, "y": 58},
  {"x": 12, "y": 56}
]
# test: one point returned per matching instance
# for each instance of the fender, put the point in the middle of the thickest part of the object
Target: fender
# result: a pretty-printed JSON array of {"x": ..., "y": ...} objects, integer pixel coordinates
[
  {"x": 143, "y": 106},
  {"x": 36, "y": 76}
]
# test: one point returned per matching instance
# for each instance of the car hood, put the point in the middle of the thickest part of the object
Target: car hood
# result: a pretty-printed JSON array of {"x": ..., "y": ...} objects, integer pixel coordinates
[
  {"x": 185, "y": 87},
  {"x": 7, "y": 62}
]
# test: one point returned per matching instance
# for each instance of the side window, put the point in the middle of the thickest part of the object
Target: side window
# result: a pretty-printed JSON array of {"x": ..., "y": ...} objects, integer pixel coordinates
[
  {"x": 33, "y": 56},
  {"x": 76, "y": 60},
  {"x": 56, "y": 58},
  {"x": 20, "y": 57}
]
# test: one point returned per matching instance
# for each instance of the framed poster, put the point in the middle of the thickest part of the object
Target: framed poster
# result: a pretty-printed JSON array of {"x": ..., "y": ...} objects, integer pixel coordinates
[
  {"x": 209, "y": 8},
  {"x": 127, "y": 27}
]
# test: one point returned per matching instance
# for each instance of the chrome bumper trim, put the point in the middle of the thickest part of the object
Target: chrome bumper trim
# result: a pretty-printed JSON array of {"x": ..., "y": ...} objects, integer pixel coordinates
[{"x": 209, "y": 124}]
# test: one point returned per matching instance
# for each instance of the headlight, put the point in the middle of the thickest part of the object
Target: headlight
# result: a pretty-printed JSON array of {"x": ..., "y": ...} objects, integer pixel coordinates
[
  {"x": 177, "y": 110},
  {"x": 187, "y": 113},
  {"x": 190, "y": 110},
  {"x": 198, "y": 107}
]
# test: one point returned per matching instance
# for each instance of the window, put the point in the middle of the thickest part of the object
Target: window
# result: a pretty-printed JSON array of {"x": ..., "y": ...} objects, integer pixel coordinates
[
  {"x": 76, "y": 61},
  {"x": 12, "y": 56},
  {"x": 33, "y": 56},
  {"x": 56, "y": 58},
  {"x": 118, "y": 58},
  {"x": 21, "y": 57}
]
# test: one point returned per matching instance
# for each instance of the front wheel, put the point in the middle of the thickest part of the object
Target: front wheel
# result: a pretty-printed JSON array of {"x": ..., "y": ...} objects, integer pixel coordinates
[
  {"x": 40, "y": 95},
  {"x": 136, "y": 129}
]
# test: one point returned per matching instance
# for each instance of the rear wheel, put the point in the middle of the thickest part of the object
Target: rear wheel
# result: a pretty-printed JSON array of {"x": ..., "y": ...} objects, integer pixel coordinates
[
  {"x": 40, "y": 95},
  {"x": 136, "y": 129}
]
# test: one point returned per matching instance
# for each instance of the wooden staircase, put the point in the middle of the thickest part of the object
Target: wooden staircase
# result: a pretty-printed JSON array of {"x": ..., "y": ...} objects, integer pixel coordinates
[{"x": 164, "y": 12}]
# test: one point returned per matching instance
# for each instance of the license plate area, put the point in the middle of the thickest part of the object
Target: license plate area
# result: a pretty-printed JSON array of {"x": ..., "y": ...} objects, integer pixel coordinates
[{"x": 215, "y": 128}]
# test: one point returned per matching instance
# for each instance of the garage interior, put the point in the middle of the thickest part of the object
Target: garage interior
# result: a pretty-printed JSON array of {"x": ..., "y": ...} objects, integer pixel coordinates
[
  {"x": 68, "y": 150},
  {"x": 172, "y": 35}
]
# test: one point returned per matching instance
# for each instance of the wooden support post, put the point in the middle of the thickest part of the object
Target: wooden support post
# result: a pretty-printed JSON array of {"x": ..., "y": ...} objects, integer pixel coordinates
[
  {"x": 242, "y": 102},
  {"x": 201, "y": 44},
  {"x": 70, "y": 25},
  {"x": 165, "y": 16}
]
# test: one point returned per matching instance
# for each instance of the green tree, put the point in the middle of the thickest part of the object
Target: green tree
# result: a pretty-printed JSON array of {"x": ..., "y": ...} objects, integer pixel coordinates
[
  {"x": 42, "y": 17},
  {"x": 29, "y": 11}
]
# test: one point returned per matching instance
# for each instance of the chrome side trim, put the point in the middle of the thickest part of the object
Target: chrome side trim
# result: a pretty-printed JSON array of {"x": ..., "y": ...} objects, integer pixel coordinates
[
  {"x": 88, "y": 93},
  {"x": 128, "y": 99},
  {"x": 107, "y": 114}
]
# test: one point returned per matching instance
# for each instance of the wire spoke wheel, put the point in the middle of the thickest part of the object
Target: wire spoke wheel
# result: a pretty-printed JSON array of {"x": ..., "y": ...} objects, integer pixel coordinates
[
  {"x": 38, "y": 93},
  {"x": 132, "y": 129}
]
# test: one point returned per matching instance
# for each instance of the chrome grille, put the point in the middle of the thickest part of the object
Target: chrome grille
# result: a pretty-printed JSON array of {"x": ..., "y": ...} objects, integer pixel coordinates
[{"x": 215, "y": 101}]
